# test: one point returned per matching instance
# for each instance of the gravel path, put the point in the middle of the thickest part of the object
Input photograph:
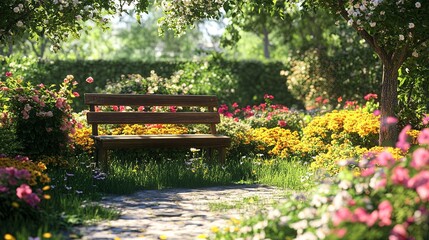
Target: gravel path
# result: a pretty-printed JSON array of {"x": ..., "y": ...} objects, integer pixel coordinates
[{"x": 180, "y": 213}]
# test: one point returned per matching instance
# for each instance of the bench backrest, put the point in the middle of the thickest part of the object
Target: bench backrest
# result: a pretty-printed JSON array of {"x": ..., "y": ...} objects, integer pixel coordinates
[{"x": 97, "y": 99}]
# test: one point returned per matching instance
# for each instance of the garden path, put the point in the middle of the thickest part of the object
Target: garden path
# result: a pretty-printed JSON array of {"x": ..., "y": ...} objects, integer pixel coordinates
[{"x": 180, "y": 213}]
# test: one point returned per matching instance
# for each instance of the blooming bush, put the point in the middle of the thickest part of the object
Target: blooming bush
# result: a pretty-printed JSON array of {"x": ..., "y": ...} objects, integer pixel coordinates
[
  {"x": 388, "y": 200},
  {"x": 20, "y": 179},
  {"x": 39, "y": 112},
  {"x": 276, "y": 141}
]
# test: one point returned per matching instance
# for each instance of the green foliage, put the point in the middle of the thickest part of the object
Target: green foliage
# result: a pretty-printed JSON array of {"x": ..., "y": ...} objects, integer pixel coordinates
[{"x": 414, "y": 92}]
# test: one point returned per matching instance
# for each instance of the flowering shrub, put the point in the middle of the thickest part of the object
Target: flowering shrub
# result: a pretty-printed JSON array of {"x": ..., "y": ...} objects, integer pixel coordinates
[
  {"x": 19, "y": 179},
  {"x": 39, "y": 112},
  {"x": 275, "y": 141},
  {"x": 388, "y": 200},
  {"x": 358, "y": 127},
  {"x": 265, "y": 115}
]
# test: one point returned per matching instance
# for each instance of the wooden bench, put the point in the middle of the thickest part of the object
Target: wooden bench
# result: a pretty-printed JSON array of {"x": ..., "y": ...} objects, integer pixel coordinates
[{"x": 107, "y": 142}]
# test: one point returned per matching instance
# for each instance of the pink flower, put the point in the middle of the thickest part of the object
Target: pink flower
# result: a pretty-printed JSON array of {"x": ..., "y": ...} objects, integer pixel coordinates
[
  {"x": 5, "y": 89},
  {"x": 370, "y": 96},
  {"x": 360, "y": 214},
  {"x": 173, "y": 109},
  {"x": 319, "y": 99},
  {"x": 342, "y": 214},
  {"x": 399, "y": 232},
  {"x": 420, "y": 158},
  {"x": 400, "y": 175},
  {"x": 60, "y": 103},
  {"x": 23, "y": 191},
  {"x": 423, "y": 137},
  {"x": 89, "y": 80},
  {"x": 385, "y": 213},
  {"x": 3, "y": 189},
  {"x": 340, "y": 99},
  {"x": 368, "y": 172},
  {"x": 35, "y": 98},
  {"x": 49, "y": 129},
  {"x": 282, "y": 123},
  {"x": 390, "y": 120},
  {"x": 235, "y": 105},
  {"x": 25, "y": 115},
  {"x": 49, "y": 114},
  {"x": 340, "y": 233},
  {"x": 76, "y": 94},
  {"x": 403, "y": 143},
  {"x": 41, "y": 85},
  {"x": 385, "y": 159},
  {"x": 75, "y": 83},
  {"x": 421, "y": 183},
  {"x": 8, "y": 74}
]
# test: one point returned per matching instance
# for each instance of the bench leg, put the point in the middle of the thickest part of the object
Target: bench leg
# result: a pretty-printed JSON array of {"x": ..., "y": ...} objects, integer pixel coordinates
[
  {"x": 222, "y": 155},
  {"x": 101, "y": 157}
]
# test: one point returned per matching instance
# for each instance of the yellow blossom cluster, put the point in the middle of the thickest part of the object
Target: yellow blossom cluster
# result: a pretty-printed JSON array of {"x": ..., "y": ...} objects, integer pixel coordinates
[
  {"x": 277, "y": 141},
  {"x": 36, "y": 170},
  {"x": 357, "y": 126}
]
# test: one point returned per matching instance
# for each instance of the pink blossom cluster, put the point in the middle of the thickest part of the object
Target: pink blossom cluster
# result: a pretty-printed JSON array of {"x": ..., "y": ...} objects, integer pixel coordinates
[
  {"x": 13, "y": 182},
  {"x": 384, "y": 172}
]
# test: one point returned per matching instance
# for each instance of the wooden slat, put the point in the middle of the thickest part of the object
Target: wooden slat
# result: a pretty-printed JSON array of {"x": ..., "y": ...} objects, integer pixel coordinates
[
  {"x": 152, "y": 118},
  {"x": 150, "y": 100},
  {"x": 167, "y": 141}
]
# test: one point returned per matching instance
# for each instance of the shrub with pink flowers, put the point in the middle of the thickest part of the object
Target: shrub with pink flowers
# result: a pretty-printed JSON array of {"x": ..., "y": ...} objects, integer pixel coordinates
[
  {"x": 389, "y": 200},
  {"x": 41, "y": 115},
  {"x": 20, "y": 186}
]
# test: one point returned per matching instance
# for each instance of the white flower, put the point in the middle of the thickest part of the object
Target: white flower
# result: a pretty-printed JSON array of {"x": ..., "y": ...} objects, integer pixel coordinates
[
  {"x": 372, "y": 24},
  {"x": 382, "y": 13},
  {"x": 21, "y": 6},
  {"x": 350, "y": 22},
  {"x": 16, "y": 9},
  {"x": 401, "y": 37},
  {"x": 19, "y": 24},
  {"x": 411, "y": 25},
  {"x": 418, "y": 4},
  {"x": 415, "y": 54},
  {"x": 78, "y": 17}
]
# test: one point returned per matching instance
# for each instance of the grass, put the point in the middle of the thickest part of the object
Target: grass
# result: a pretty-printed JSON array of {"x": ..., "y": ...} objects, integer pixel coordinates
[{"x": 75, "y": 189}]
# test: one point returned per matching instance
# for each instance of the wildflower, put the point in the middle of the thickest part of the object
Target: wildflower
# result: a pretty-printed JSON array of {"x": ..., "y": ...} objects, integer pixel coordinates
[
  {"x": 47, "y": 235},
  {"x": 385, "y": 213},
  {"x": 423, "y": 137},
  {"x": 420, "y": 158},
  {"x": 418, "y": 5},
  {"x": 214, "y": 229},
  {"x": 401, "y": 37},
  {"x": 398, "y": 232},
  {"x": 8, "y": 236},
  {"x": 89, "y": 80},
  {"x": 400, "y": 175},
  {"x": 23, "y": 191},
  {"x": 411, "y": 25},
  {"x": 370, "y": 96}
]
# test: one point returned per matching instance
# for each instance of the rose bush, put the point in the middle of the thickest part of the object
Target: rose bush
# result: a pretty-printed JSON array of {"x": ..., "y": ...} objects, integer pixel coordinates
[{"x": 39, "y": 112}]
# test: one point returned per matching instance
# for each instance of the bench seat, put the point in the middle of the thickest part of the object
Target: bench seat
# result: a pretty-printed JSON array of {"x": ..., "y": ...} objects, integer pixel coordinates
[{"x": 165, "y": 140}]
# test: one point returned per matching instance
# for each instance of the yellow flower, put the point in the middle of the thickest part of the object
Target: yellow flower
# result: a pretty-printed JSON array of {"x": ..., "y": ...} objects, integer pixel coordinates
[
  {"x": 47, "y": 196},
  {"x": 46, "y": 188},
  {"x": 47, "y": 235},
  {"x": 8, "y": 236},
  {"x": 15, "y": 204},
  {"x": 202, "y": 236},
  {"x": 163, "y": 237},
  {"x": 117, "y": 238},
  {"x": 214, "y": 229}
]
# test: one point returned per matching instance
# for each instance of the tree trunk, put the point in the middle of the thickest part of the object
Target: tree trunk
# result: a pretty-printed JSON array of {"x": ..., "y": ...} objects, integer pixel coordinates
[
  {"x": 388, "y": 103},
  {"x": 266, "y": 43}
]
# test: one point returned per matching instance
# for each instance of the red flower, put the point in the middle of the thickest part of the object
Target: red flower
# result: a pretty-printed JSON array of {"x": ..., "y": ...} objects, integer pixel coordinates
[
  {"x": 8, "y": 74},
  {"x": 76, "y": 94},
  {"x": 370, "y": 96}
]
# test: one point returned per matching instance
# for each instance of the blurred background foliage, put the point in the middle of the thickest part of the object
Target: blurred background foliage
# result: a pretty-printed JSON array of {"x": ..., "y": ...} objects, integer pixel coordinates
[{"x": 297, "y": 58}]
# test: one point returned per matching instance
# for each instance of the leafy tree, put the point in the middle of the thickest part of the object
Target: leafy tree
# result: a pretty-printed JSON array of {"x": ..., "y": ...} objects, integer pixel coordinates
[{"x": 395, "y": 30}]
